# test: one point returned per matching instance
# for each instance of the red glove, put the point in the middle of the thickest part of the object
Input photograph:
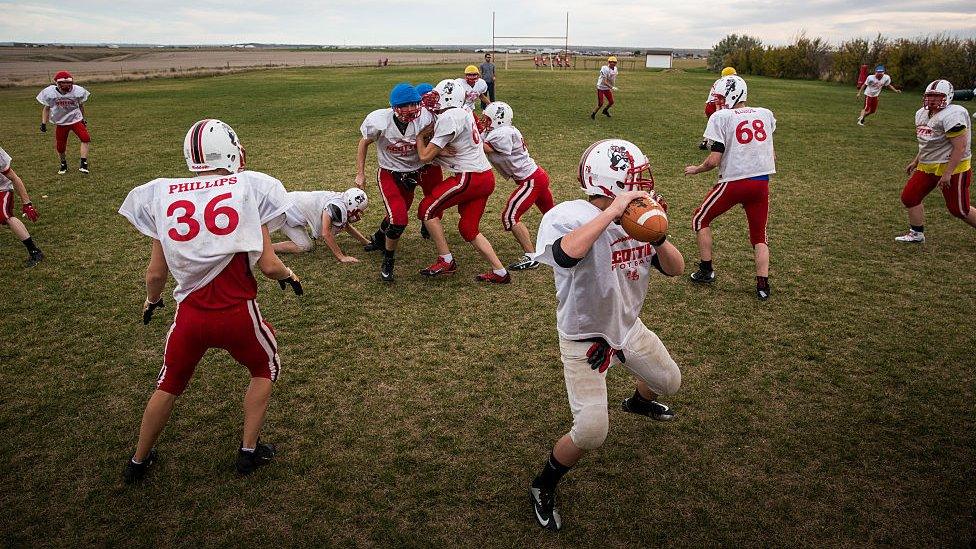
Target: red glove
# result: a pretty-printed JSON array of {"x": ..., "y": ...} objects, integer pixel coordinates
[
  {"x": 30, "y": 211},
  {"x": 600, "y": 354},
  {"x": 659, "y": 198}
]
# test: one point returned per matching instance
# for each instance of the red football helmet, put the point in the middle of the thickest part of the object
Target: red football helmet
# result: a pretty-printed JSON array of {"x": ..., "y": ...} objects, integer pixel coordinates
[
  {"x": 482, "y": 121},
  {"x": 430, "y": 99}
]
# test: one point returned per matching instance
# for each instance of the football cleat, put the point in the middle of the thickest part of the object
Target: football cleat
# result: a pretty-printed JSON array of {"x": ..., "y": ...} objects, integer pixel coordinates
[
  {"x": 650, "y": 408},
  {"x": 63, "y": 169},
  {"x": 386, "y": 271},
  {"x": 593, "y": 116},
  {"x": 492, "y": 278},
  {"x": 524, "y": 264},
  {"x": 911, "y": 236},
  {"x": 134, "y": 472},
  {"x": 607, "y": 113},
  {"x": 544, "y": 505},
  {"x": 702, "y": 276},
  {"x": 35, "y": 258},
  {"x": 860, "y": 121},
  {"x": 440, "y": 267},
  {"x": 248, "y": 462},
  {"x": 762, "y": 292},
  {"x": 83, "y": 168}
]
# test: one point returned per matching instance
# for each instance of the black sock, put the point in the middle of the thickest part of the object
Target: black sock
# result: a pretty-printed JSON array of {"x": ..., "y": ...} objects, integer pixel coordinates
[
  {"x": 918, "y": 228},
  {"x": 639, "y": 398},
  {"x": 84, "y": 161},
  {"x": 762, "y": 281},
  {"x": 552, "y": 471},
  {"x": 389, "y": 253},
  {"x": 31, "y": 247},
  {"x": 705, "y": 266}
]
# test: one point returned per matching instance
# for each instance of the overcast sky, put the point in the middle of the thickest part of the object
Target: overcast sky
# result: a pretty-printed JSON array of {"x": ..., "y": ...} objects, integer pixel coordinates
[{"x": 687, "y": 23}]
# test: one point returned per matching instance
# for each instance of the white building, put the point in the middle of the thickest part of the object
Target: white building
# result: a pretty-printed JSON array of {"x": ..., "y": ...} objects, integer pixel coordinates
[{"x": 659, "y": 59}]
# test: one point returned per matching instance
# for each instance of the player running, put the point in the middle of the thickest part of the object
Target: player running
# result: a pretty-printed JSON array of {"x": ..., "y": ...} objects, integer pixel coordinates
[
  {"x": 324, "y": 214},
  {"x": 602, "y": 277},
  {"x": 872, "y": 90},
  {"x": 453, "y": 142},
  {"x": 741, "y": 140},
  {"x": 9, "y": 182},
  {"x": 475, "y": 88},
  {"x": 64, "y": 106},
  {"x": 943, "y": 160},
  {"x": 507, "y": 152},
  {"x": 606, "y": 84},
  {"x": 210, "y": 231}
]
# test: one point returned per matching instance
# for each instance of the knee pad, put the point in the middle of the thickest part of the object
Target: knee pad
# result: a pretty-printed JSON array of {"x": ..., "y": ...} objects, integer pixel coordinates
[
  {"x": 590, "y": 427},
  {"x": 393, "y": 232},
  {"x": 385, "y": 224}
]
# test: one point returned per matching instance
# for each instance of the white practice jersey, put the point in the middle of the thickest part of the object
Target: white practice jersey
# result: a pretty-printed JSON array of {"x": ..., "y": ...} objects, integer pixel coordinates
[
  {"x": 456, "y": 127},
  {"x": 5, "y": 183},
  {"x": 873, "y": 85},
  {"x": 65, "y": 107},
  {"x": 202, "y": 222},
  {"x": 603, "y": 294},
  {"x": 934, "y": 146},
  {"x": 607, "y": 78},
  {"x": 307, "y": 208},
  {"x": 712, "y": 91},
  {"x": 747, "y": 134},
  {"x": 395, "y": 151},
  {"x": 472, "y": 93},
  {"x": 511, "y": 157}
]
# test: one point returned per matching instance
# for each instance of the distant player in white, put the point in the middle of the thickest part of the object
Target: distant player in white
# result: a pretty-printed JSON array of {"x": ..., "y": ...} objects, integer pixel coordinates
[
  {"x": 872, "y": 90},
  {"x": 64, "y": 105},
  {"x": 10, "y": 182},
  {"x": 210, "y": 231},
  {"x": 507, "y": 152},
  {"x": 475, "y": 88},
  {"x": 322, "y": 214},
  {"x": 741, "y": 140},
  {"x": 602, "y": 277},
  {"x": 606, "y": 84}
]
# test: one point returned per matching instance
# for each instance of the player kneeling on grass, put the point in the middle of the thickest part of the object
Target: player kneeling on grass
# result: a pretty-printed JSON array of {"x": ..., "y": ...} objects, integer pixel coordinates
[
  {"x": 507, "y": 152},
  {"x": 453, "y": 142},
  {"x": 210, "y": 231},
  {"x": 323, "y": 214},
  {"x": 943, "y": 160},
  {"x": 741, "y": 141},
  {"x": 64, "y": 106},
  {"x": 602, "y": 277},
  {"x": 10, "y": 181}
]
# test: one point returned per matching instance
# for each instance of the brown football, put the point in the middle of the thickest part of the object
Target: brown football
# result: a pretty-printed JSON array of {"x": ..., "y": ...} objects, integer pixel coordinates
[{"x": 645, "y": 220}]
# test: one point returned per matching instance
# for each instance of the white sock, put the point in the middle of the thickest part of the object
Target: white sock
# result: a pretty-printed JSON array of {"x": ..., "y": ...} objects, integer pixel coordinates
[
  {"x": 448, "y": 257},
  {"x": 500, "y": 272}
]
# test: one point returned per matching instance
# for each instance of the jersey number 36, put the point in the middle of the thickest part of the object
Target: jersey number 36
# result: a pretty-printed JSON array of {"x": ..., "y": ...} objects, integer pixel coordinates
[{"x": 210, "y": 213}]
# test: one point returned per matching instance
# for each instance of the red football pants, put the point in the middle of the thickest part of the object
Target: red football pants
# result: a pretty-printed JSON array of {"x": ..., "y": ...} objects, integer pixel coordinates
[
  {"x": 469, "y": 191},
  {"x": 753, "y": 194},
  {"x": 531, "y": 191},
  {"x": 61, "y": 135},
  {"x": 920, "y": 184}
]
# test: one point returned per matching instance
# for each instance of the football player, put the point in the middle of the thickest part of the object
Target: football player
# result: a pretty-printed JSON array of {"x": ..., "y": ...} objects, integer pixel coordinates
[
  {"x": 394, "y": 130},
  {"x": 210, "y": 231},
  {"x": 944, "y": 160},
  {"x": 710, "y": 101},
  {"x": 606, "y": 84},
  {"x": 323, "y": 214},
  {"x": 9, "y": 182},
  {"x": 453, "y": 142},
  {"x": 602, "y": 276},
  {"x": 741, "y": 140},
  {"x": 507, "y": 152},
  {"x": 475, "y": 88},
  {"x": 872, "y": 90},
  {"x": 64, "y": 106}
]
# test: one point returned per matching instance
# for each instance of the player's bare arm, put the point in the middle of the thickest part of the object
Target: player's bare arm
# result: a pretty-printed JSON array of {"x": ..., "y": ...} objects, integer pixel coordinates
[
  {"x": 894, "y": 89},
  {"x": 45, "y": 117},
  {"x": 272, "y": 267},
  {"x": 84, "y": 119},
  {"x": 578, "y": 242},
  {"x": 354, "y": 232},
  {"x": 427, "y": 150},
  {"x": 710, "y": 163},
  {"x": 330, "y": 240},
  {"x": 361, "y": 161},
  {"x": 488, "y": 148},
  {"x": 958, "y": 151},
  {"x": 671, "y": 260},
  {"x": 156, "y": 273}
]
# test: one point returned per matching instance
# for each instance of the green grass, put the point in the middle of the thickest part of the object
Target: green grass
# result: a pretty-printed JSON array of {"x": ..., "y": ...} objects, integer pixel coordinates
[{"x": 838, "y": 413}]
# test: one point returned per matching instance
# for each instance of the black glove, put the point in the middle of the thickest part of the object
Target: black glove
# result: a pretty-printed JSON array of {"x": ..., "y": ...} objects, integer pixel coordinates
[
  {"x": 149, "y": 307},
  {"x": 295, "y": 284},
  {"x": 600, "y": 354},
  {"x": 43, "y": 127},
  {"x": 84, "y": 122}
]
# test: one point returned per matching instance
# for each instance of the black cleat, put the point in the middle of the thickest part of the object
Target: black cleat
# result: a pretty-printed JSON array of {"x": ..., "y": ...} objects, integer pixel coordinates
[
  {"x": 248, "y": 462},
  {"x": 544, "y": 505},
  {"x": 63, "y": 169},
  {"x": 377, "y": 243},
  {"x": 35, "y": 258},
  {"x": 650, "y": 408},
  {"x": 702, "y": 276},
  {"x": 762, "y": 292},
  {"x": 134, "y": 472},
  {"x": 607, "y": 113},
  {"x": 83, "y": 167},
  {"x": 593, "y": 116},
  {"x": 386, "y": 271}
]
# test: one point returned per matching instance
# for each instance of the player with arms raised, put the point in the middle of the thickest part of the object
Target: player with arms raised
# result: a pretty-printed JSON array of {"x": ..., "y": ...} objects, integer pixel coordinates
[
  {"x": 741, "y": 140},
  {"x": 315, "y": 215},
  {"x": 602, "y": 277},
  {"x": 209, "y": 231},
  {"x": 64, "y": 106}
]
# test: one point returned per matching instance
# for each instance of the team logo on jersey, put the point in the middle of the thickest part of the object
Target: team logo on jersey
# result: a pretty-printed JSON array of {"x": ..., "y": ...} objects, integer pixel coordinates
[{"x": 619, "y": 158}]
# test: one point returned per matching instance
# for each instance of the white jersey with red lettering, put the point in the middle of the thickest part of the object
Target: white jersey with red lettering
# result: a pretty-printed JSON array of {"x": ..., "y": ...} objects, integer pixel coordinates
[
  {"x": 202, "y": 222},
  {"x": 607, "y": 79},
  {"x": 747, "y": 134},
  {"x": 712, "y": 91},
  {"x": 396, "y": 151},
  {"x": 65, "y": 107},
  {"x": 934, "y": 146},
  {"x": 5, "y": 183},
  {"x": 456, "y": 127},
  {"x": 511, "y": 157},
  {"x": 873, "y": 85},
  {"x": 307, "y": 208},
  {"x": 603, "y": 294},
  {"x": 472, "y": 93}
]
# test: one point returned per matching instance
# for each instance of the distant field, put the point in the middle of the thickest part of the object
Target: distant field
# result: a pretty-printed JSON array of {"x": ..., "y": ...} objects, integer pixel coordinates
[{"x": 839, "y": 413}]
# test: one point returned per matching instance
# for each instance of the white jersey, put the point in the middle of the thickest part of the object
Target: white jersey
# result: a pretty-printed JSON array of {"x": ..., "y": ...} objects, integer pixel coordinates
[
  {"x": 712, "y": 91},
  {"x": 603, "y": 294},
  {"x": 511, "y": 157},
  {"x": 747, "y": 134},
  {"x": 873, "y": 85},
  {"x": 5, "y": 183},
  {"x": 395, "y": 151},
  {"x": 472, "y": 93},
  {"x": 65, "y": 107},
  {"x": 456, "y": 127},
  {"x": 607, "y": 78},
  {"x": 202, "y": 222},
  {"x": 307, "y": 208},
  {"x": 934, "y": 146}
]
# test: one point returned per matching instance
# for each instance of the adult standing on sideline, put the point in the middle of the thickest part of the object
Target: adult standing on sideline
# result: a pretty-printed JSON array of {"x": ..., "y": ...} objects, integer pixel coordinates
[
  {"x": 488, "y": 75},
  {"x": 64, "y": 106}
]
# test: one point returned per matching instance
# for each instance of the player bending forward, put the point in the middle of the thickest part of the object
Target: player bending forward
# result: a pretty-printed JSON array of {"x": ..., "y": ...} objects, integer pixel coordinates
[
  {"x": 64, "y": 106},
  {"x": 507, "y": 152},
  {"x": 323, "y": 214},
  {"x": 944, "y": 160},
  {"x": 10, "y": 181},
  {"x": 741, "y": 140},
  {"x": 602, "y": 277},
  {"x": 606, "y": 84},
  {"x": 209, "y": 231},
  {"x": 455, "y": 133}
]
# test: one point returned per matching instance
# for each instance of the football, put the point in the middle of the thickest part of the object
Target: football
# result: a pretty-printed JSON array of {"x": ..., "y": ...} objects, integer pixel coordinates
[{"x": 645, "y": 220}]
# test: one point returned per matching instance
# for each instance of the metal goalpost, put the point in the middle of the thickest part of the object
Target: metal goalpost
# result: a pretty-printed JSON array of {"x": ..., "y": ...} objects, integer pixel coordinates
[{"x": 564, "y": 38}]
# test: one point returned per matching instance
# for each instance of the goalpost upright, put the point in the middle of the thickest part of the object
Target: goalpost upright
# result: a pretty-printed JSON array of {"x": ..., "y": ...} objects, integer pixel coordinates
[{"x": 564, "y": 38}]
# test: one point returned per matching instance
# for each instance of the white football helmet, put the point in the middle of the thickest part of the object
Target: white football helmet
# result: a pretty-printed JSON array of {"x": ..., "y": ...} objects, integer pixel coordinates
[
  {"x": 938, "y": 95},
  {"x": 210, "y": 145},
  {"x": 498, "y": 114},
  {"x": 356, "y": 201},
  {"x": 448, "y": 93},
  {"x": 614, "y": 166},
  {"x": 728, "y": 91}
]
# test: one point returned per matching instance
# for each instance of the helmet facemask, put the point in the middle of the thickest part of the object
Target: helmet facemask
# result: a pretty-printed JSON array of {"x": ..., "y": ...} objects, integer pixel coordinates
[
  {"x": 430, "y": 100},
  {"x": 408, "y": 112},
  {"x": 471, "y": 79}
]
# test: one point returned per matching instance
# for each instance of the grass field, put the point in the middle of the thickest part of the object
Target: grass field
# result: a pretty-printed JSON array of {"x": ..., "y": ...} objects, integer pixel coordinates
[{"x": 838, "y": 413}]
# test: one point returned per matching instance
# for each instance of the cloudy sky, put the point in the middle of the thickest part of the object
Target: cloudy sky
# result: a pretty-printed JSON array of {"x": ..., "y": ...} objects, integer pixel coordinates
[{"x": 687, "y": 23}]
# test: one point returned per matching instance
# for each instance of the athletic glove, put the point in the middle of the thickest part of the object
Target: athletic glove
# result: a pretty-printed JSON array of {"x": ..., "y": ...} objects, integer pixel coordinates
[
  {"x": 43, "y": 127},
  {"x": 599, "y": 355},
  {"x": 30, "y": 211},
  {"x": 292, "y": 280},
  {"x": 148, "y": 307},
  {"x": 659, "y": 198},
  {"x": 84, "y": 122}
]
